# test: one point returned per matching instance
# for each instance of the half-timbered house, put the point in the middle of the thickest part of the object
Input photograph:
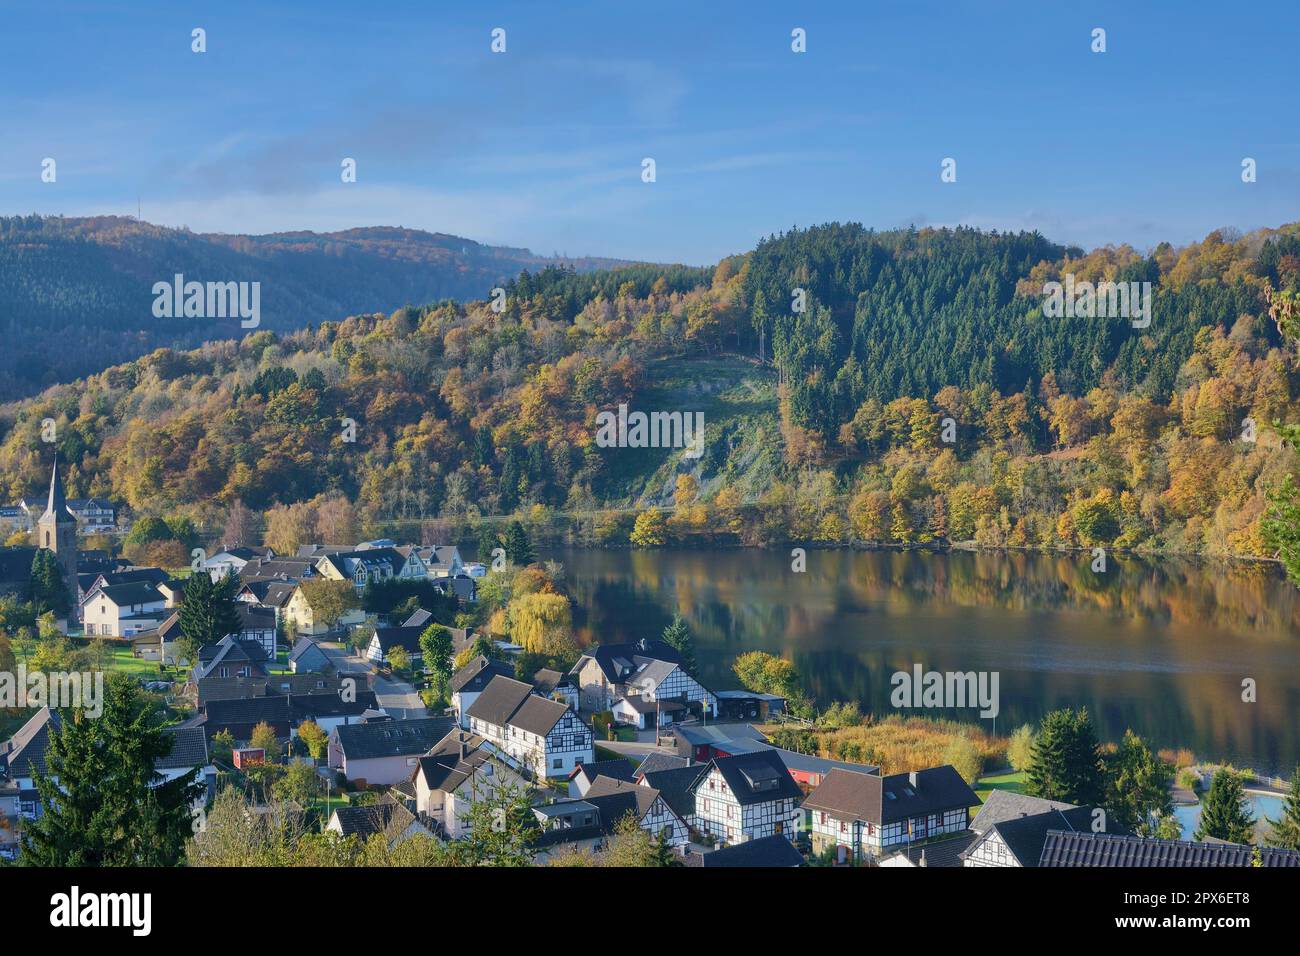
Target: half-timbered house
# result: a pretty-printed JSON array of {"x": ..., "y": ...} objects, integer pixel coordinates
[
  {"x": 543, "y": 736},
  {"x": 745, "y": 797}
]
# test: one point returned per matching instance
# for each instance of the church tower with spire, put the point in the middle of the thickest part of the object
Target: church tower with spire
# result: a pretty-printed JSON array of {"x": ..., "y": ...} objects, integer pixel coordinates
[{"x": 57, "y": 530}]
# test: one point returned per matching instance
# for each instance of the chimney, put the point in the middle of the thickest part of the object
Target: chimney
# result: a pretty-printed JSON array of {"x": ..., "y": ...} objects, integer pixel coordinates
[{"x": 911, "y": 778}]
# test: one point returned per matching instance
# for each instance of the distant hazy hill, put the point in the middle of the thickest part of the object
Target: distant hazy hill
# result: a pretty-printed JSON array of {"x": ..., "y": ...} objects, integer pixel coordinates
[{"x": 75, "y": 294}]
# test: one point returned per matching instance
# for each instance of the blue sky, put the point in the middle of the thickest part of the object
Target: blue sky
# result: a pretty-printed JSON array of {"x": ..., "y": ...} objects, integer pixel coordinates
[{"x": 542, "y": 146}]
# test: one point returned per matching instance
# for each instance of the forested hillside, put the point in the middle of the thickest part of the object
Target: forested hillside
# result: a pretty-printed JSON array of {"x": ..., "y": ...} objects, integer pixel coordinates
[
  {"x": 75, "y": 294},
  {"x": 1067, "y": 432}
]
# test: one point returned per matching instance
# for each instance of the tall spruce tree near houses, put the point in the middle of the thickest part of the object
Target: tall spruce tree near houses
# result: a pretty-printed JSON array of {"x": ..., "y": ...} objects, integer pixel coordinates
[
  {"x": 678, "y": 635},
  {"x": 1137, "y": 786},
  {"x": 1067, "y": 759},
  {"x": 1285, "y": 830},
  {"x": 207, "y": 612},
  {"x": 1223, "y": 811},
  {"x": 102, "y": 802},
  {"x": 49, "y": 589}
]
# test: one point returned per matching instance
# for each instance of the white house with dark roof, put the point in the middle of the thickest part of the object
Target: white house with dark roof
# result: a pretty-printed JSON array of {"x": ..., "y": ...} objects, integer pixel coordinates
[
  {"x": 124, "y": 610},
  {"x": 653, "y": 812},
  {"x": 745, "y": 797},
  {"x": 868, "y": 814},
  {"x": 471, "y": 680},
  {"x": 457, "y": 772},
  {"x": 386, "y": 816},
  {"x": 233, "y": 560},
  {"x": 544, "y": 736}
]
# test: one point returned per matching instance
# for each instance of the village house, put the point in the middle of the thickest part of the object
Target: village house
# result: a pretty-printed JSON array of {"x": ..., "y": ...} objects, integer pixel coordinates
[
  {"x": 653, "y": 812},
  {"x": 745, "y": 797},
  {"x": 442, "y": 561},
  {"x": 277, "y": 685},
  {"x": 543, "y": 736},
  {"x": 23, "y": 756},
  {"x": 124, "y": 610},
  {"x": 603, "y": 673},
  {"x": 231, "y": 657},
  {"x": 257, "y": 626},
  {"x": 585, "y": 775},
  {"x": 384, "y": 639},
  {"x": 386, "y": 816},
  {"x": 557, "y": 686},
  {"x": 306, "y": 657},
  {"x": 369, "y": 566},
  {"x": 233, "y": 560},
  {"x": 471, "y": 680},
  {"x": 160, "y": 643},
  {"x": 456, "y": 773},
  {"x": 285, "y": 713},
  {"x": 675, "y": 786},
  {"x": 298, "y": 615},
  {"x": 584, "y": 825},
  {"x": 1011, "y": 828},
  {"x": 384, "y": 752},
  {"x": 866, "y": 814}
]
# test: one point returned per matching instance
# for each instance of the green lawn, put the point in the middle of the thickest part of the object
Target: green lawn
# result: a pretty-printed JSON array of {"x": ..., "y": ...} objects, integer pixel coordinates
[
  {"x": 1013, "y": 782},
  {"x": 120, "y": 659}
]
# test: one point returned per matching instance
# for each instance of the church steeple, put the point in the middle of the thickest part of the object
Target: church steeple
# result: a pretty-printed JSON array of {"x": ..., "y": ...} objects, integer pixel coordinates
[
  {"x": 57, "y": 530},
  {"x": 58, "y": 504}
]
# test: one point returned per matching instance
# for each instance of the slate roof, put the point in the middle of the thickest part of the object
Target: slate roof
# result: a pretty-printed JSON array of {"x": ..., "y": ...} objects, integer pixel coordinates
[
  {"x": 881, "y": 800},
  {"x": 537, "y": 715},
  {"x": 770, "y": 851},
  {"x": 23, "y": 754},
  {"x": 941, "y": 853},
  {"x": 419, "y": 618},
  {"x": 620, "y": 769},
  {"x": 254, "y": 618},
  {"x": 477, "y": 674},
  {"x": 16, "y": 564},
  {"x": 407, "y": 638},
  {"x": 609, "y": 809},
  {"x": 661, "y": 761},
  {"x": 1025, "y": 836},
  {"x": 302, "y": 646},
  {"x": 391, "y": 738},
  {"x": 1003, "y": 805},
  {"x": 386, "y": 816},
  {"x": 674, "y": 785},
  {"x": 608, "y": 786},
  {"x": 1086, "y": 849},
  {"x": 618, "y": 661},
  {"x": 500, "y": 699},
  {"x": 189, "y": 749},
  {"x": 753, "y": 778},
  {"x": 281, "y": 708},
  {"x": 134, "y": 592},
  {"x": 229, "y": 650},
  {"x": 452, "y": 761},
  {"x": 546, "y": 680}
]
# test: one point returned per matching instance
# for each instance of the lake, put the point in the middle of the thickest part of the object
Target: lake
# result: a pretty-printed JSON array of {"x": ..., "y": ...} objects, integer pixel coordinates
[{"x": 1158, "y": 645}]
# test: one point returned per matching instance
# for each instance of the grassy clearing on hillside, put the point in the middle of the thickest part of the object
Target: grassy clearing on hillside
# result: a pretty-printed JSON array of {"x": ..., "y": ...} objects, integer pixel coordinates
[{"x": 742, "y": 440}]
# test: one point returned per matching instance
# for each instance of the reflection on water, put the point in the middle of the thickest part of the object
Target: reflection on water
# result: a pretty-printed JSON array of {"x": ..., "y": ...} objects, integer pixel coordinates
[{"x": 1161, "y": 645}]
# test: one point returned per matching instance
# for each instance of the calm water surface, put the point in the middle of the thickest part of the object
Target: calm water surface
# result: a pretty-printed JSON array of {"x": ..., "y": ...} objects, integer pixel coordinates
[{"x": 1160, "y": 645}]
